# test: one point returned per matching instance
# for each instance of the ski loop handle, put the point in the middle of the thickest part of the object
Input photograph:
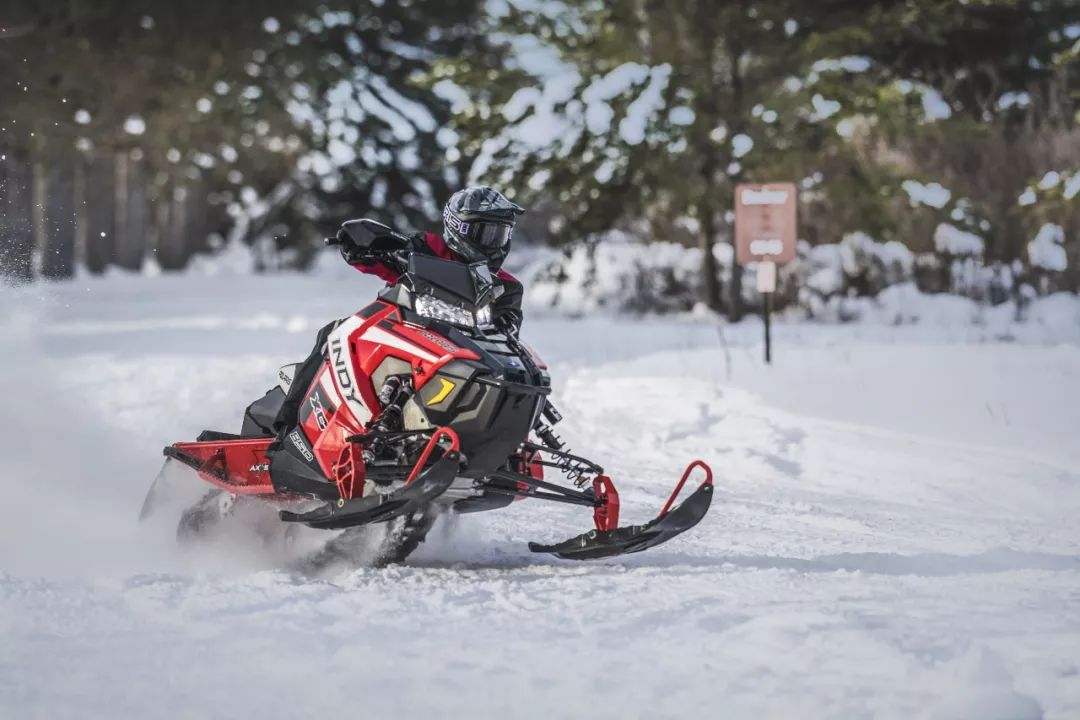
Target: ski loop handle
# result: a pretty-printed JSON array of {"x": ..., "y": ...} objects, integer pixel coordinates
[
  {"x": 455, "y": 445},
  {"x": 678, "y": 488}
]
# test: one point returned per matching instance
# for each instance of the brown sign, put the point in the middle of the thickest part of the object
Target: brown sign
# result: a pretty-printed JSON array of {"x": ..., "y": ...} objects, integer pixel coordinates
[{"x": 765, "y": 222}]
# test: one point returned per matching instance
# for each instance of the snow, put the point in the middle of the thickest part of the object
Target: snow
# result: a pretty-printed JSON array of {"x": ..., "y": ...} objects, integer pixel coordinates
[
  {"x": 951, "y": 240},
  {"x": 1072, "y": 186},
  {"x": 895, "y": 532},
  {"x": 615, "y": 273},
  {"x": 741, "y": 144},
  {"x": 1049, "y": 180},
  {"x": 823, "y": 108},
  {"x": 520, "y": 103},
  {"x": 1013, "y": 99},
  {"x": 681, "y": 115},
  {"x": 934, "y": 105},
  {"x": 134, "y": 125},
  {"x": 1047, "y": 250},
  {"x": 932, "y": 194},
  {"x": 616, "y": 82},
  {"x": 826, "y": 269},
  {"x": 848, "y": 63},
  {"x": 650, "y": 101}
]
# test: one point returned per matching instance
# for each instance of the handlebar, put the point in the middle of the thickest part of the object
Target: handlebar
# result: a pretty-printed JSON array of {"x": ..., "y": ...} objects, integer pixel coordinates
[{"x": 331, "y": 241}]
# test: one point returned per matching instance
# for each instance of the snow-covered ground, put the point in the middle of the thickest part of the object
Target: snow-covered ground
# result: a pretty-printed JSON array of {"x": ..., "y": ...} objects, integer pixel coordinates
[{"x": 896, "y": 531}]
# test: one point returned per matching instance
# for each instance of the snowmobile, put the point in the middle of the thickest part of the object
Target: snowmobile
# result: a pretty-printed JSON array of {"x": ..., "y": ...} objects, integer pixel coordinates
[{"x": 420, "y": 407}]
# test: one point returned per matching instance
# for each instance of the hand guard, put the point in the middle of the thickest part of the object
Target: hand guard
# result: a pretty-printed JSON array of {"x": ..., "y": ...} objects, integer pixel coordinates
[{"x": 377, "y": 244}]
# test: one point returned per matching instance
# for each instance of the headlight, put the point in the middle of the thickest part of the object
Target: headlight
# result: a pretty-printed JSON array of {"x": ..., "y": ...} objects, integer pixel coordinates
[
  {"x": 436, "y": 309},
  {"x": 483, "y": 316}
]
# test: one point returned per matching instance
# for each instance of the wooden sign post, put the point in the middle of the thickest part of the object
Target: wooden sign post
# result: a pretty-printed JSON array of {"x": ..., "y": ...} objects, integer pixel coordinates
[{"x": 765, "y": 233}]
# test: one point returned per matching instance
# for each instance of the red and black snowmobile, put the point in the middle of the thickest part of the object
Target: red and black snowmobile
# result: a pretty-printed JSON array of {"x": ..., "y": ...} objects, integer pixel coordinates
[{"x": 420, "y": 407}]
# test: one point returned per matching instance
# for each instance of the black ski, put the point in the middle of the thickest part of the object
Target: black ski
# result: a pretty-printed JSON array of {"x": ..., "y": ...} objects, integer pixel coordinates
[{"x": 634, "y": 538}]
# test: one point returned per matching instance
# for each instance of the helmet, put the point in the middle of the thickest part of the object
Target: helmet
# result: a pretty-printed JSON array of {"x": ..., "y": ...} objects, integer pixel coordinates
[{"x": 478, "y": 222}]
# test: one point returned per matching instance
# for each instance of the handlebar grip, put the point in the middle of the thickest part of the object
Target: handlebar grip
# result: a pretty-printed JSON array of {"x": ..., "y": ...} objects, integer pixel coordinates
[{"x": 331, "y": 241}]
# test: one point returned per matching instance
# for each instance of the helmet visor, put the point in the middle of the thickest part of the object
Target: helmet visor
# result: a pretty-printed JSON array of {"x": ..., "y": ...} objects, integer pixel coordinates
[{"x": 490, "y": 236}]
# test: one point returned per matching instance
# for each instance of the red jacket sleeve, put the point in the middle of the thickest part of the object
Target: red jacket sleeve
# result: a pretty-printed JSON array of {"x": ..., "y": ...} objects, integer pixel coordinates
[
  {"x": 437, "y": 245},
  {"x": 379, "y": 270}
]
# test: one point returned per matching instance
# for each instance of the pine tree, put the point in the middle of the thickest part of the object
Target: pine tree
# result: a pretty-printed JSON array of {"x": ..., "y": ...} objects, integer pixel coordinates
[
  {"x": 655, "y": 110},
  {"x": 267, "y": 118}
]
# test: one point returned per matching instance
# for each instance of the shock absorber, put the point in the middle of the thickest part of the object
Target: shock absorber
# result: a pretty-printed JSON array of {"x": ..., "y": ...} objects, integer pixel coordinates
[
  {"x": 564, "y": 464},
  {"x": 549, "y": 437},
  {"x": 393, "y": 395},
  {"x": 550, "y": 413},
  {"x": 390, "y": 397}
]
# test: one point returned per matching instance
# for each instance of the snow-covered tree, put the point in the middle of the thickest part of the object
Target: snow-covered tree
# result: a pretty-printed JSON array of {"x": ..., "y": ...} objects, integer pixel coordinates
[{"x": 653, "y": 111}]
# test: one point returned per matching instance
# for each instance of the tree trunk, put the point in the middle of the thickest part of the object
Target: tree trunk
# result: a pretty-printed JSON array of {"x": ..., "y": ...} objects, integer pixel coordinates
[
  {"x": 138, "y": 226},
  {"x": 737, "y": 114},
  {"x": 16, "y": 227},
  {"x": 58, "y": 258},
  {"x": 130, "y": 191},
  {"x": 178, "y": 228},
  {"x": 707, "y": 109},
  {"x": 707, "y": 219},
  {"x": 39, "y": 188},
  {"x": 198, "y": 222},
  {"x": 1072, "y": 255},
  {"x": 164, "y": 243},
  {"x": 99, "y": 207},
  {"x": 78, "y": 188}
]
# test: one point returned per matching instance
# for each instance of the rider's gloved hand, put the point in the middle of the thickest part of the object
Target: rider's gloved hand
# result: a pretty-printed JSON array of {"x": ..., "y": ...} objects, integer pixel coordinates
[
  {"x": 348, "y": 249},
  {"x": 377, "y": 244}
]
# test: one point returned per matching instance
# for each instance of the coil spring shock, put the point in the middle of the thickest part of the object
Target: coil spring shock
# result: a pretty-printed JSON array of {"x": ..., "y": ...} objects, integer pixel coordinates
[
  {"x": 393, "y": 395},
  {"x": 574, "y": 473}
]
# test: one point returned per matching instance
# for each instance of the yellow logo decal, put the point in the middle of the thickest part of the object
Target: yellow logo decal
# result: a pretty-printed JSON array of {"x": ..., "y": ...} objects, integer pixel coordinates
[{"x": 447, "y": 387}]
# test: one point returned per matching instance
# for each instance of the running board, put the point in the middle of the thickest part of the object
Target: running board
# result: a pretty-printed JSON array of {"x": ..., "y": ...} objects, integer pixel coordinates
[{"x": 378, "y": 508}]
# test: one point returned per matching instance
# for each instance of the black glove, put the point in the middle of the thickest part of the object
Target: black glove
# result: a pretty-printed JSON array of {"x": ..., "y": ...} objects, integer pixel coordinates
[
  {"x": 368, "y": 243},
  {"x": 354, "y": 255}
]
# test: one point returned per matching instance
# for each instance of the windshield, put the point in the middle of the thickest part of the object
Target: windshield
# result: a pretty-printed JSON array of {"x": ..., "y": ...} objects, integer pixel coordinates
[{"x": 470, "y": 286}]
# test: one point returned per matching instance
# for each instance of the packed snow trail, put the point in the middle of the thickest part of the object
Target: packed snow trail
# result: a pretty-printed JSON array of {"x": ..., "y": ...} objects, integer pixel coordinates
[{"x": 896, "y": 529}]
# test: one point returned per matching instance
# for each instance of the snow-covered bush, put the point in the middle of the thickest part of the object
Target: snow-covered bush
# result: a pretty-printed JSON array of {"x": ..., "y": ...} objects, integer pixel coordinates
[
  {"x": 857, "y": 278},
  {"x": 614, "y": 272},
  {"x": 951, "y": 241},
  {"x": 1047, "y": 250},
  {"x": 1048, "y": 257},
  {"x": 871, "y": 266},
  {"x": 856, "y": 266}
]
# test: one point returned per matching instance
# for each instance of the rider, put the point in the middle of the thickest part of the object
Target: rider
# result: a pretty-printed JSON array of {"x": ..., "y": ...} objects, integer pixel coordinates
[{"x": 478, "y": 223}]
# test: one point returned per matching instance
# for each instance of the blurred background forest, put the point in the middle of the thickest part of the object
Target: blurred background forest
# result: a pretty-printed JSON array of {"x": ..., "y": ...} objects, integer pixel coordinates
[{"x": 934, "y": 142}]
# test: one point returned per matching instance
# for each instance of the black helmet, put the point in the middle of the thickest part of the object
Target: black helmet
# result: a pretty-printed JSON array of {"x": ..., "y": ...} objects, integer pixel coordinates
[{"x": 478, "y": 223}]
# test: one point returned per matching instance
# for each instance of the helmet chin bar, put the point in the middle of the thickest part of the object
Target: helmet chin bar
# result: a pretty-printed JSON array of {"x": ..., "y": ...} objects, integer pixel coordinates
[{"x": 494, "y": 258}]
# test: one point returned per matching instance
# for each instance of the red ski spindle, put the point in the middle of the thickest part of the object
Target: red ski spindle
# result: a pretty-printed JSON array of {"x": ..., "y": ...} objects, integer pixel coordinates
[
  {"x": 455, "y": 445},
  {"x": 606, "y": 514},
  {"x": 678, "y": 488}
]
